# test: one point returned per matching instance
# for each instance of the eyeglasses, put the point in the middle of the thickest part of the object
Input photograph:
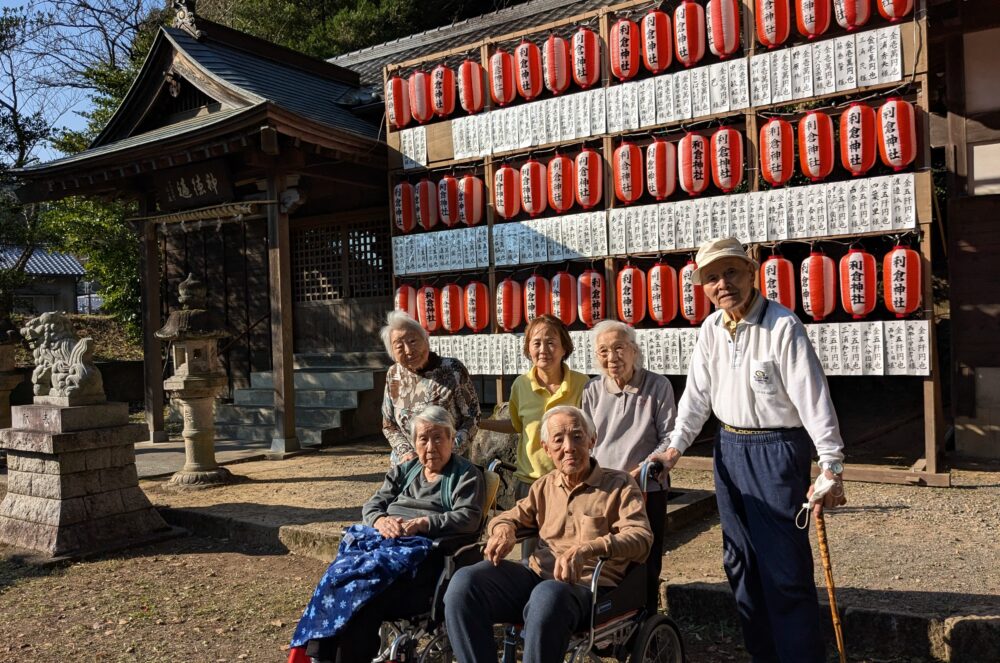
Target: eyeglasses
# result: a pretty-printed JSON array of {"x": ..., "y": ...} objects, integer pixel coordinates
[{"x": 618, "y": 349}]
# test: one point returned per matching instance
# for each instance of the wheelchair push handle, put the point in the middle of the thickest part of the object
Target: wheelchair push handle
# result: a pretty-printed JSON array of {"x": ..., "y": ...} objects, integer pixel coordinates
[
  {"x": 650, "y": 470},
  {"x": 497, "y": 464}
]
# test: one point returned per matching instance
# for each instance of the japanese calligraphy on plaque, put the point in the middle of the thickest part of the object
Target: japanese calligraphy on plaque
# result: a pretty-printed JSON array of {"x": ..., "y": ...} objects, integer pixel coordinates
[
  {"x": 664, "y": 99},
  {"x": 192, "y": 186}
]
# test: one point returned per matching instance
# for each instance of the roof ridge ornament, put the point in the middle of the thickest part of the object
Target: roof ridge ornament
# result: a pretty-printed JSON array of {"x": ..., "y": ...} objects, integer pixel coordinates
[{"x": 184, "y": 17}]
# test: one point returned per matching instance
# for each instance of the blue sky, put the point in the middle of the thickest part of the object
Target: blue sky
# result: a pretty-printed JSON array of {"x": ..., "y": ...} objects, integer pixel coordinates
[{"x": 71, "y": 120}]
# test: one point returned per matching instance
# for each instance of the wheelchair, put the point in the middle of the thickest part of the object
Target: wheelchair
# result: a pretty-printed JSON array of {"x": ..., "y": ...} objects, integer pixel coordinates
[
  {"x": 620, "y": 625},
  {"x": 422, "y": 638}
]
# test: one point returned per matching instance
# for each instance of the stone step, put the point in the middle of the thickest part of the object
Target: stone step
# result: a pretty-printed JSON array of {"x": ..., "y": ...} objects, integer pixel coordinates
[
  {"x": 311, "y": 398},
  {"x": 343, "y": 360},
  {"x": 319, "y": 378},
  {"x": 261, "y": 416},
  {"x": 308, "y": 437}
]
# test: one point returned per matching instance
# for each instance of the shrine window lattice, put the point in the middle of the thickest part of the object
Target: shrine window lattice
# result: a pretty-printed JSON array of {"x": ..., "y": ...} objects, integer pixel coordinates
[{"x": 321, "y": 271}]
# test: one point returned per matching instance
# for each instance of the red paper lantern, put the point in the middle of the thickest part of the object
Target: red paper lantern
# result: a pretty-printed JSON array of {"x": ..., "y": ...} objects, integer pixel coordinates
[
  {"x": 452, "y": 308},
  {"x": 661, "y": 168},
  {"x": 818, "y": 278},
  {"x": 773, "y": 20},
  {"x": 507, "y": 192},
  {"x": 624, "y": 45},
  {"x": 689, "y": 32},
  {"x": 556, "y": 64},
  {"x": 657, "y": 51},
  {"x": 586, "y": 58},
  {"x": 397, "y": 102},
  {"x": 723, "y": 27},
  {"x": 851, "y": 14},
  {"x": 448, "y": 200},
  {"x": 692, "y": 162},
  {"x": 777, "y": 152},
  {"x": 470, "y": 200},
  {"x": 533, "y": 185},
  {"x": 470, "y": 86},
  {"x": 894, "y": 10},
  {"x": 590, "y": 297},
  {"x": 902, "y": 285},
  {"x": 812, "y": 17},
  {"x": 628, "y": 173},
  {"x": 528, "y": 67},
  {"x": 662, "y": 282},
  {"x": 508, "y": 304},
  {"x": 589, "y": 178},
  {"x": 442, "y": 91},
  {"x": 816, "y": 154},
  {"x": 502, "y": 86},
  {"x": 426, "y": 203},
  {"x": 857, "y": 283},
  {"x": 694, "y": 302},
  {"x": 563, "y": 301},
  {"x": 404, "y": 207},
  {"x": 857, "y": 138},
  {"x": 631, "y": 295},
  {"x": 406, "y": 300},
  {"x": 421, "y": 107},
  {"x": 560, "y": 177},
  {"x": 897, "y": 133},
  {"x": 476, "y": 306},
  {"x": 537, "y": 296},
  {"x": 429, "y": 308},
  {"x": 777, "y": 281},
  {"x": 726, "y": 149}
]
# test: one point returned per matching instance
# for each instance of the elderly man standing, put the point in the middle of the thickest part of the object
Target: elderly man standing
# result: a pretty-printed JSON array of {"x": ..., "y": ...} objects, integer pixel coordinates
[
  {"x": 755, "y": 369},
  {"x": 582, "y": 512}
]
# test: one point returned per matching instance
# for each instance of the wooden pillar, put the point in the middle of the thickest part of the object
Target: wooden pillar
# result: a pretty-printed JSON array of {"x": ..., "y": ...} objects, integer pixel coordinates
[
  {"x": 279, "y": 264},
  {"x": 152, "y": 360}
]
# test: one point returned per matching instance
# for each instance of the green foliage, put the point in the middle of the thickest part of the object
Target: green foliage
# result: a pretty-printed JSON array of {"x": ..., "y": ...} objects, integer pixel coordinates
[{"x": 330, "y": 27}]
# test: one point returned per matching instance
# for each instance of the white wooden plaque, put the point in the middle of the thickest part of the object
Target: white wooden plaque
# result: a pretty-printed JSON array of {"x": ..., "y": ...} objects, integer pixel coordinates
[
  {"x": 684, "y": 218},
  {"x": 845, "y": 63},
  {"x": 802, "y": 72},
  {"x": 618, "y": 231},
  {"x": 858, "y": 211},
  {"x": 851, "y": 347},
  {"x": 798, "y": 222},
  {"x": 614, "y": 105},
  {"x": 873, "y": 348},
  {"x": 777, "y": 215},
  {"x": 781, "y": 75},
  {"x": 757, "y": 216},
  {"x": 739, "y": 84},
  {"x": 904, "y": 207},
  {"x": 738, "y": 219},
  {"x": 918, "y": 359},
  {"x": 890, "y": 54},
  {"x": 664, "y": 99},
  {"x": 880, "y": 203},
  {"x": 598, "y": 111},
  {"x": 682, "y": 95},
  {"x": 896, "y": 361},
  {"x": 718, "y": 81},
  {"x": 838, "y": 210},
  {"x": 701, "y": 92},
  {"x": 866, "y": 52},
  {"x": 816, "y": 211},
  {"x": 598, "y": 234},
  {"x": 647, "y": 102},
  {"x": 760, "y": 80},
  {"x": 824, "y": 67},
  {"x": 667, "y": 229},
  {"x": 671, "y": 351}
]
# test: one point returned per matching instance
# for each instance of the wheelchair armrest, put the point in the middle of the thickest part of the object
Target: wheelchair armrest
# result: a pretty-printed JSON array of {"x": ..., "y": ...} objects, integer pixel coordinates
[{"x": 449, "y": 544}]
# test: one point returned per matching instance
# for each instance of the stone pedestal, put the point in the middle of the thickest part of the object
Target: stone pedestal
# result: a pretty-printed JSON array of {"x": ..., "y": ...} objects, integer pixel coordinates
[
  {"x": 72, "y": 487},
  {"x": 195, "y": 397}
]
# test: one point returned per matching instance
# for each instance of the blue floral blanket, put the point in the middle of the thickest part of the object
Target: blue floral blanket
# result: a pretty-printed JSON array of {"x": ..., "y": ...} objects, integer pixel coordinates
[{"x": 366, "y": 564}]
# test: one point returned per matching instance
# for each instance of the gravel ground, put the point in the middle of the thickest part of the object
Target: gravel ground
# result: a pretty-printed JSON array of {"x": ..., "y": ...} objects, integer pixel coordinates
[{"x": 918, "y": 550}]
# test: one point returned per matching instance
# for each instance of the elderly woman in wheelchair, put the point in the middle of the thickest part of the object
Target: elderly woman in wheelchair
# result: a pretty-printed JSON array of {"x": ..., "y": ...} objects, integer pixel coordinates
[
  {"x": 388, "y": 568},
  {"x": 591, "y": 522}
]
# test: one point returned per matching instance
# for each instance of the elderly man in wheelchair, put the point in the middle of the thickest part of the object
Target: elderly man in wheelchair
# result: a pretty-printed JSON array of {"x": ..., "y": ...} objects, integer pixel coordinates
[
  {"x": 593, "y": 532},
  {"x": 390, "y": 567}
]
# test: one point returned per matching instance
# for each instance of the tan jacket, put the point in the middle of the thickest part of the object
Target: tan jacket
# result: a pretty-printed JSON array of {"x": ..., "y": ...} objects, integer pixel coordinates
[{"x": 604, "y": 512}]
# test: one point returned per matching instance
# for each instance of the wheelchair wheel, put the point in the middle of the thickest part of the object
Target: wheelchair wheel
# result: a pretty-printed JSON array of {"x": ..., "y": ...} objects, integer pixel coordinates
[
  {"x": 438, "y": 650},
  {"x": 658, "y": 641}
]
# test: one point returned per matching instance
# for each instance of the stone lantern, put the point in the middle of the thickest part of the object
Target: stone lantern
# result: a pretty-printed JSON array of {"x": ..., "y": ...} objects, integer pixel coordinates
[{"x": 194, "y": 334}]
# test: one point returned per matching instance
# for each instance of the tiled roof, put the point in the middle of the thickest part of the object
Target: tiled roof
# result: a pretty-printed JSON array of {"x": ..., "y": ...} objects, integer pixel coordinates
[
  {"x": 368, "y": 62},
  {"x": 308, "y": 94},
  {"x": 42, "y": 262},
  {"x": 162, "y": 133}
]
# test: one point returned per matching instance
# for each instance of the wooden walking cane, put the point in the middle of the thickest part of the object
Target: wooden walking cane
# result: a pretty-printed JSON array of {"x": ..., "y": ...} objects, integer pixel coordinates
[{"x": 824, "y": 553}]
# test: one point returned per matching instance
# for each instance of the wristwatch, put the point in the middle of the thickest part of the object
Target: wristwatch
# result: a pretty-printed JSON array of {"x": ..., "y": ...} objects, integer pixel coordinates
[{"x": 835, "y": 466}]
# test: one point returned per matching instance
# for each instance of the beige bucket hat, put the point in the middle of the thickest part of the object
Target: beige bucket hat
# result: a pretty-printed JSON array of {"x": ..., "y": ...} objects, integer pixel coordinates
[{"x": 717, "y": 249}]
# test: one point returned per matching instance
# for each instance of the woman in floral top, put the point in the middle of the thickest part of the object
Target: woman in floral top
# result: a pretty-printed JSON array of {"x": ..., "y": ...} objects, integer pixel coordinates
[{"x": 420, "y": 378}]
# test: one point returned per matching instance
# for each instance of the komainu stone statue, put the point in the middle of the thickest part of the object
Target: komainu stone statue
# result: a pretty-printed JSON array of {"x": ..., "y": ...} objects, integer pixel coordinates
[{"x": 64, "y": 363}]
